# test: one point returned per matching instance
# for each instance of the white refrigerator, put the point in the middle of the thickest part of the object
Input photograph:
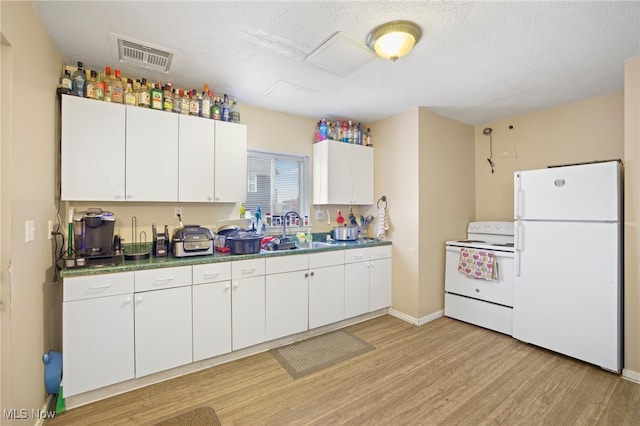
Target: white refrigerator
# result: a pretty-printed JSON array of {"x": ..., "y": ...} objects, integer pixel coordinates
[{"x": 568, "y": 261}]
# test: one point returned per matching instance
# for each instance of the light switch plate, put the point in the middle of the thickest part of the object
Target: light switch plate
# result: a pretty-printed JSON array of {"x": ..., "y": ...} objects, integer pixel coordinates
[
  {"x": 319, "y": 214},
  {"x": 29, "y": 231}
]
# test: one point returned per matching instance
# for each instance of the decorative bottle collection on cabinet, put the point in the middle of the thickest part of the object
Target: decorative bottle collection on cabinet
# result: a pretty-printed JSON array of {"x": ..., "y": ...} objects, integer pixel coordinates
[{"x": 103, "y": 86}]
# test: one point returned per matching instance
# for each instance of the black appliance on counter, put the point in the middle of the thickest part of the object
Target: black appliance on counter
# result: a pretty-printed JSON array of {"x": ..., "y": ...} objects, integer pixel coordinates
[
  {"x": 160, "y": 241},
  {"x": 93, "y": 238},
  {"x": 192, "y": 240}
]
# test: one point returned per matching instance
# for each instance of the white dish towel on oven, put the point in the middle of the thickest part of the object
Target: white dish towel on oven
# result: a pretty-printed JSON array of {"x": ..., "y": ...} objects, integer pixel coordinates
[
  {"x": 478, "y": 264},
  {"x": 383, "y": 223}
]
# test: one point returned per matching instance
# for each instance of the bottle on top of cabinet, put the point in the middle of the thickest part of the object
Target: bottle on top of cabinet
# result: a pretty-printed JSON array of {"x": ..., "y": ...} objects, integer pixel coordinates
[
  {"x": 167, "y": 98},
  {"x": 66, "y": 82},
  {"x": 205, "y": 111},
  {"x": 235, "y": 111},
  {"x": 129, "y": 96},
  {"x": 216, "y": 111},
  {"x": 226, "y": 111},
  {"x": 79, "y": 80},
  {"x": 117, "y": 96},
  {"x": 144, "y": 96},
  {"x": 91, "y": 84},
  {"x": 156, "y": 97},
  {"x": 177, "y": 101}
]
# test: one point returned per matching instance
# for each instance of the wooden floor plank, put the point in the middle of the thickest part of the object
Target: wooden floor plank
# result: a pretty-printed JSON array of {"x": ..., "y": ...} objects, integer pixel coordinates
[{"x": 445, "y": 372}]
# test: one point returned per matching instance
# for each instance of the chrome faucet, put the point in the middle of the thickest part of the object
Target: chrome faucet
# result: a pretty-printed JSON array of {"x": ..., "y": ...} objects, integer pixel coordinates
[{"x": 284, "y": 222}]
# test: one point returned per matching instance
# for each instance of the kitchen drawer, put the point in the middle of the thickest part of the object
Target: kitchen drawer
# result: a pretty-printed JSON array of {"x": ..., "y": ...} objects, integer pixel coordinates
[
  {"x": 380, "y": 252},
  {"x": 247, "y": 268},
  {"x": 327, "y": 258},
  {"x": 276, "y": 265},
  {"x": 92, "y": 286},
  {"x": 161, "y": 278},
  {"x": 356, "y": 255},
  {"x": 211, "y": 272}
]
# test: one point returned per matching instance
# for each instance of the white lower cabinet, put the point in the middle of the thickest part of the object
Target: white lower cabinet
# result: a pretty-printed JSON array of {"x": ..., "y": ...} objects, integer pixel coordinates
[
  {"x": 287, "y": 295},
  {"x": 163, "y": 319},
  {"x": 163, "y": 330},
  {"x": 97, "y": 331},
  {"x": 211, "y": 296},
  {"x": 247, "y": 303},
  {"x": 356, "y": 282},
  {"x": 326, "y": 288},
  {"x": 120, "y": 326},
  {"x": 379, "y": 277},
  {"x": 367, "y": 280}
]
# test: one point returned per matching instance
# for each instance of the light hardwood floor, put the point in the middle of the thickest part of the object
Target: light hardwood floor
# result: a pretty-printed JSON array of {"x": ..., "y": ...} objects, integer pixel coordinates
[{"x": 442, "y": 373}]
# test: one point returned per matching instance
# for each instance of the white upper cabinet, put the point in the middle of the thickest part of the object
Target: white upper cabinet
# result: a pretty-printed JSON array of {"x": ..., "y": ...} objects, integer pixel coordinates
[
  {"x": 93, "y": 152},
  {"x": 152, "y": 155},
  {"x": 113, "y": 152},
  {"x": 230, "y": 162},
  {"x": 342, "y": 173},
  {"x": 196, "y": 159}
]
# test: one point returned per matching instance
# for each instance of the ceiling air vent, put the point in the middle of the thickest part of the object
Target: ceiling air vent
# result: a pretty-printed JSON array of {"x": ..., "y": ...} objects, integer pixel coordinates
[{"x": 143, "y": 55}]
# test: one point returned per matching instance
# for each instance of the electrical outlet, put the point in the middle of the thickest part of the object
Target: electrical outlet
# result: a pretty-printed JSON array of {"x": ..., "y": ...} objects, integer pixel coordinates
[
  {"x": 51, "y": 226},
  {"x": 319, "y": 214},
  {"x": 177, "y": 211}
]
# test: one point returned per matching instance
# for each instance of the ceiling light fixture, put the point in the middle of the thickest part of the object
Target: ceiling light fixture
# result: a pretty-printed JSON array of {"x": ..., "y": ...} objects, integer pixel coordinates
[{"x": 394, "y": 39}]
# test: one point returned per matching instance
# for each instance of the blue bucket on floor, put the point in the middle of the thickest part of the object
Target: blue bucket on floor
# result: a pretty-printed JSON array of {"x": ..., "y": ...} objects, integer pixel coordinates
[{"x": 52, "y": 371}]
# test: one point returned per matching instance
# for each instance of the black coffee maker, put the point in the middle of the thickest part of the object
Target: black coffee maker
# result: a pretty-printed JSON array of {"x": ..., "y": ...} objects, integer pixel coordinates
[{"x": 93, "y": 236}]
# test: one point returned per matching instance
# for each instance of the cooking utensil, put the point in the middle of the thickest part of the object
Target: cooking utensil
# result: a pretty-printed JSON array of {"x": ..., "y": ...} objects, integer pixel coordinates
[
  {"x": 368, "y": 220},
  {"x": 340, "y": 219},
  {"x": 361, "y": 220},
  {"x": 353, "y": 220}
]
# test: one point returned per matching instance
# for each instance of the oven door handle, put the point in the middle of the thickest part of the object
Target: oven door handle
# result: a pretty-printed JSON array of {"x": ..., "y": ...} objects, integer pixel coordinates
[{"x": 517, "y": 247}]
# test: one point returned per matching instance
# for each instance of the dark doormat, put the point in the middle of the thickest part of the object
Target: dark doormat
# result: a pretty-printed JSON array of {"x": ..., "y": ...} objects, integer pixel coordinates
[
  {"x": 314, "y": 354},
  {"x": 201, "y": 416}
]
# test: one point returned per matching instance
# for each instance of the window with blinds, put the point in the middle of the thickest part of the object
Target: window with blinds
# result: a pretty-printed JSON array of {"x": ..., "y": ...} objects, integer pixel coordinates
[{"x": 277, "y": 183}]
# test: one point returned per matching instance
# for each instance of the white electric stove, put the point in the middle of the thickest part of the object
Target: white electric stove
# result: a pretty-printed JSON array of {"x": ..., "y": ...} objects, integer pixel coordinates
[{"x": 486, "y": 303}]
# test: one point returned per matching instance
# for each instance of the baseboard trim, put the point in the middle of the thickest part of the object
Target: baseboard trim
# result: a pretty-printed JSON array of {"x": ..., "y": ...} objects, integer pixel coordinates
[
  {"x": 416, "y": 321},
  {"x": 632, "y": 376}
]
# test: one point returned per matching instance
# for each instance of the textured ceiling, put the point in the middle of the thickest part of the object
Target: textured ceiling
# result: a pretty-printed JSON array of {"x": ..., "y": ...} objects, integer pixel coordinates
[{"x": 476, "y": 62}]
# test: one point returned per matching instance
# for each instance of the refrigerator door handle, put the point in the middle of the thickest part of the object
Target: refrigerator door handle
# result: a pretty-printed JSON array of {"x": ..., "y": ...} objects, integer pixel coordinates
[
  {"x": 518, "y": 248},
  {"x": 518, "y": 198}
]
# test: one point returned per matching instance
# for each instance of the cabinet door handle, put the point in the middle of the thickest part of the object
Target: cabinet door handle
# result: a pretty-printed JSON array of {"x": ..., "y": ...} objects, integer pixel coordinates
[
  {"x": 312, "y": 273},
  {"x": 139, "y": 299},
  {"x": 358, "y": 257},
  {"x": 209, "y": 198},
  {"x": 306, "y": 275},
  {"x": 129, "y": 196},
  {"x": 119, "y": 196},
  {"x": 211, "y": 274},
  {"x": 235, "y": 285},
  {"x": 162, "y": 281},
  {"x": 227, "y": 287},
  {"x": 128, "y": 299},
  {"x": 248, "y": 270},
  {"x": 99, "y": 287}
]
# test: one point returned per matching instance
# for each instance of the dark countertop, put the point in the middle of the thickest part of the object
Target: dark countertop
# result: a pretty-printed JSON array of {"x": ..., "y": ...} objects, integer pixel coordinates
[{"x": 170, "y": 261}]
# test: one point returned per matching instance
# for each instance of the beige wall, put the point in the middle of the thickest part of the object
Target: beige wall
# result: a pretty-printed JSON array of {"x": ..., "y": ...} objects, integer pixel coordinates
[
  {"x": 397, "y": 177},
  {"x": 632, "y": 215},
  {"x": 446, "y": 200},
  {"x": 583, "y": 131},
  {"x": 30, "y": 144},
  {"x": 424, "y": 164}
]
